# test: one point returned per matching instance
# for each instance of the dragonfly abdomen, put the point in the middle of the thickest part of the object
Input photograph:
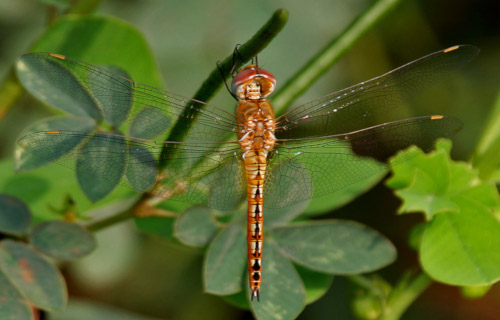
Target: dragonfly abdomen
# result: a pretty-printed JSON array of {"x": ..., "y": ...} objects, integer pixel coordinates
[{"x": 255, "y": 164}]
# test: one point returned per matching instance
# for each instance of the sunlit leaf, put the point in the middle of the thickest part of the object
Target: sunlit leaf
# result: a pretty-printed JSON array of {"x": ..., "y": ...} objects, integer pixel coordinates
[
  {"x": 54, "y": 84},
  {"x": 84, "y": 37},
  {"x": 462, "y": 249}
]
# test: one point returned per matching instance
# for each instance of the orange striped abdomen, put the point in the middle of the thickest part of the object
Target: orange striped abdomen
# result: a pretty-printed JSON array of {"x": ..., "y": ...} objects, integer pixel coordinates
[{"x": 255, "y": 164}]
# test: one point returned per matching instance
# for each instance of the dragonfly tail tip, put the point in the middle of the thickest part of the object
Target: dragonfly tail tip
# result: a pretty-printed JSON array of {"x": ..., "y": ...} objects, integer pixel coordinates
[{"x": 255, "y": 294}]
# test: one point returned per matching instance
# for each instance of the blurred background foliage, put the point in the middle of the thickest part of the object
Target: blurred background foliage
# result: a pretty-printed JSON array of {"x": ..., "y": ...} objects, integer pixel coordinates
[{"x": 161, "y": 279}]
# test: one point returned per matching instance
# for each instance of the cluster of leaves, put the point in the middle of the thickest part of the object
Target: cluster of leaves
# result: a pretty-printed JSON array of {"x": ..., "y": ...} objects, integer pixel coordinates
[
  {"x": 28, "y": 278},
  {"x": 459, "y": 243}
]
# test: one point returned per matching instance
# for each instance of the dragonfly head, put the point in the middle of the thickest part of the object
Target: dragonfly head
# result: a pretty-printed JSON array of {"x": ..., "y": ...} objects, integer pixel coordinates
[{"x": 253, "y": 83}]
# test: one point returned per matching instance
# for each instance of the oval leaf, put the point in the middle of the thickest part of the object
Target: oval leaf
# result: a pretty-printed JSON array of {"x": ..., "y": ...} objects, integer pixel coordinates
[
  {"x": 225, "y": 261},
  {"x": 15, "y": 309},
  {"x": 15, "y": 217},
  {"x": 282, "y": 294},
  {"x": 62, "y": 240},
  {"x": 195, "y": 227},
  {"x": 142, "y": 169},
  {"x": 149, "y": 123},
  {"x": 462, "y": 248},
  {"x": 85, "y": 37},
  {"x": 98, "y": 175},
  {"x": 116, "y": 103},
  {"x": 335, "y": 246},
  {"x": 37, "y": 280},
  {"x": 52, "y": 83},
  {"x": 43, "y": 151},
  {"x": 7, "y": 290}
]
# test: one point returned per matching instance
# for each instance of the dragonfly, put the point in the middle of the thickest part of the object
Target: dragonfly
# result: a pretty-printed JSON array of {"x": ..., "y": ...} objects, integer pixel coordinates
[{"x": 226, "y": 158}]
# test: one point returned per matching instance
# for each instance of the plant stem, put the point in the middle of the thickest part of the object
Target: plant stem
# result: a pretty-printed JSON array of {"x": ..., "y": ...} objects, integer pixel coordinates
[
  {"x": 401, "y": 298},
  {"x": 319, "y": 64},
  {"x": 118, "y": 216}
]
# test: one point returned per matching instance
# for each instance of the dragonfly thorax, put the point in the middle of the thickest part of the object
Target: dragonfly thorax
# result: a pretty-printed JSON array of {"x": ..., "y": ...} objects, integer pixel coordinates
[{"x": 253, "y": 83}]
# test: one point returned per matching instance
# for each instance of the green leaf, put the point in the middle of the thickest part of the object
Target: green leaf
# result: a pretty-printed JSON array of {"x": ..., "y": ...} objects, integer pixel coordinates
[
  {"x": 12, "y": 304},
  {"x": 463, "y": 249},
  {"x": 100, "y": 40},
  {"x": 15, "y": 309},
  {"x": 239, "y": 300},
  {"x": 45, "y": 194},
  {"x": 474, "y": 292},
  {"x": 195, "y": 227},
  {"x": 335, "y": 246},
  {"x": 282, "y": 294},
  {"x": 37, "y": 280},
  {"x": 149, "y": 123},
  {"x": 225, "y": 261},
  {"x": 116, "y": 104},
  {"x": 15, "y": 216},
  {"x": 26, "y": 160},
  {"x": 55, "y": 85},
  {"x": 317, "y": 284},
  {"x": 62, "y": 240},
  {"x": 142, "y": 171},
  {"x": 423, "y": 196},
  {"x": 433, "y": 183},
  {"x": 96, "y": 175},
  {"x": 7, "y": 290}
]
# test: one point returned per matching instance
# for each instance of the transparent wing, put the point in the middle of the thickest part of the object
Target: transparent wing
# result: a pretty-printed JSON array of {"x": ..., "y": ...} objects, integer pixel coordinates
[
  {"x": 365, "y": 104},
  {"x": 84, "y": 89},
  {"x": 200, "y": 173},
  {"x": 309, "y": 168}
]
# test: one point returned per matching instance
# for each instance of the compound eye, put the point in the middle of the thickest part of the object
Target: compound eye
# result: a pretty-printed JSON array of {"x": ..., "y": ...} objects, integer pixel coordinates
[{"x": 264, "y": 78}]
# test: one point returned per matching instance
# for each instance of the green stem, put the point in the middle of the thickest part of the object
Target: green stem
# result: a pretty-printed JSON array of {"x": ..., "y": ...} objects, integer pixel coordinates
[
  {"x": 401, "y": 298},
  {"x": 116, "y": 217},
  {"x": 214, "y": 81},
  {"x": 318, "y": 65},
  {"x": 10, "y": 91}
]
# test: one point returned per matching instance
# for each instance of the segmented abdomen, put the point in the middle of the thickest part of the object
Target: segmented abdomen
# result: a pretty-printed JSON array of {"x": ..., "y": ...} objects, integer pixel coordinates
[{"x": 255, "y": 163}]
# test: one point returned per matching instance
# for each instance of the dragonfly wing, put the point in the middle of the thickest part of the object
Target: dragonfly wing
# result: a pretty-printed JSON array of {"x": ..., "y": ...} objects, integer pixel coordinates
[
  {"x": 206, "y": 174},
  {"x": 147, "y": 112},
  {"x": 364, "y": 104},
  {"x": 310, "y": 168}
]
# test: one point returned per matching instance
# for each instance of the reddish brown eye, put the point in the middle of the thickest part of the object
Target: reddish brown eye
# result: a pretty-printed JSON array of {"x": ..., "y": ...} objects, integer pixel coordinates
[
  {"x": 265, "y": 79},
  {"x": 266, "y": 74},
  {"x": 244, "y": 76}
]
